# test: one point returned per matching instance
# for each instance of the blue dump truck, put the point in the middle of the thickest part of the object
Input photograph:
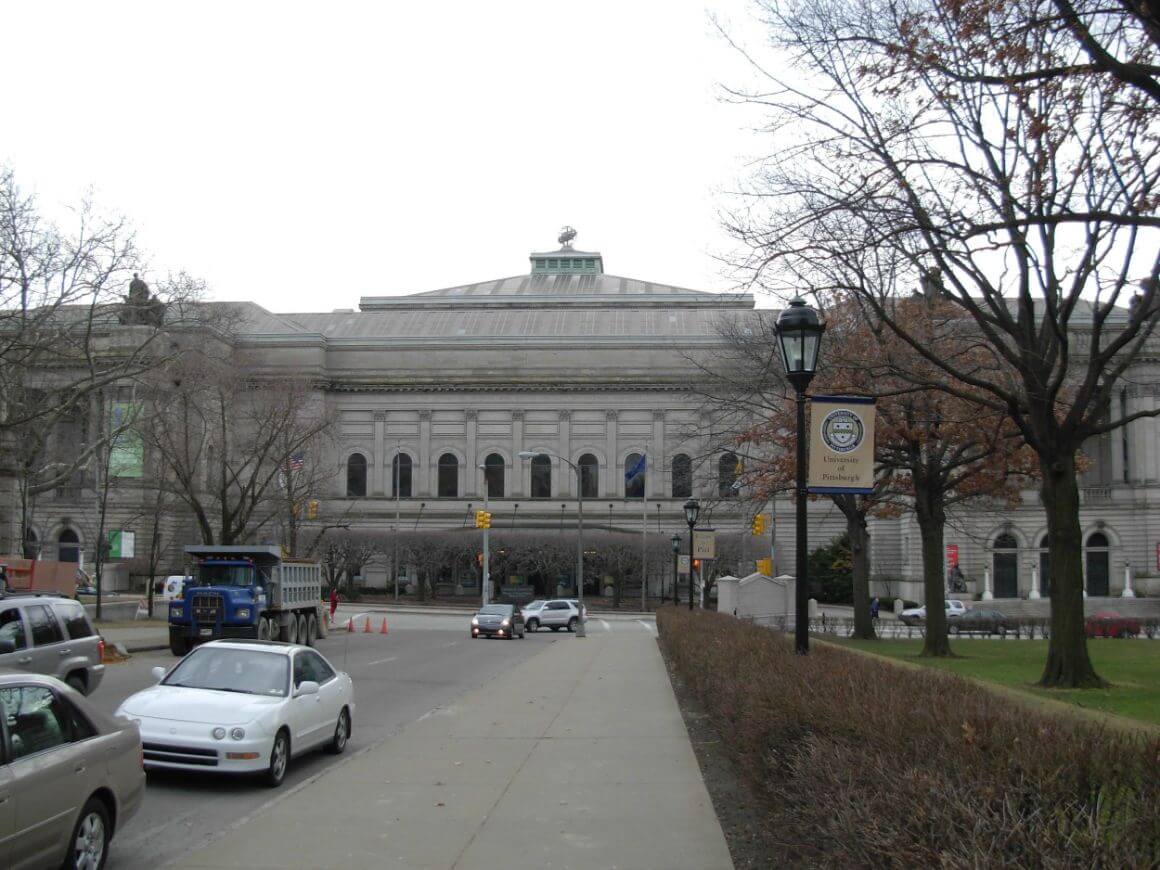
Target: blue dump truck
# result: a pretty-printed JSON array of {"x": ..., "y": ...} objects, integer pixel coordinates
[{"x": 246, "y": 592}]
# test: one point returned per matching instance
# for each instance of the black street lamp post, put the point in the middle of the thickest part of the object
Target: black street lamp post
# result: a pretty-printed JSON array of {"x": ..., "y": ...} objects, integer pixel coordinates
[
  {"x": 692, "y": 511},
  {"x": 676, "y": 556},
  {"x": 799, "y": 337}
]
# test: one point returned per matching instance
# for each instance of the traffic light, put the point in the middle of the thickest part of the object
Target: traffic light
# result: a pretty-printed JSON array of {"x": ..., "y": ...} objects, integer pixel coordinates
[
  {"x": 312, "y": 509},
  {"x": 483, "y": 519},
  {"x": 759, "y": 524}
]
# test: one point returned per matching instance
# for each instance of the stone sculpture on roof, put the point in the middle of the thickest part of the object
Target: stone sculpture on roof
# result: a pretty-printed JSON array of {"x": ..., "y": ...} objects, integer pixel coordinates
[
  {"x": 141, "y": 307},
  {"x": 567, "y": 234}
]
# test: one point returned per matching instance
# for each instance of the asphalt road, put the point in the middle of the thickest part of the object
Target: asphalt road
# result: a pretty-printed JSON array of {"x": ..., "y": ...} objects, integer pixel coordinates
[{"x": 422, "y": 663}]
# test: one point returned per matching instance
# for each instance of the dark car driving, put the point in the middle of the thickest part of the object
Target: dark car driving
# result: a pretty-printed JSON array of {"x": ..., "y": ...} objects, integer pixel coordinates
[
  {"x": 498, "y": 620},
  {"x": 979, "y": 621}
]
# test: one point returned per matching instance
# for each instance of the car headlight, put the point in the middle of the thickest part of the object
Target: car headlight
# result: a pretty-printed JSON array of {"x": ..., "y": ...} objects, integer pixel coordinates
[
  {"x": 237, "y": 733},
  {"x": 242, "y": 613},
  {"x": 218, "y": 733},
  {"x": 475, "y": 620},
  {"x": 506, "y": 623},
  {"x": 175, "y": 611}
]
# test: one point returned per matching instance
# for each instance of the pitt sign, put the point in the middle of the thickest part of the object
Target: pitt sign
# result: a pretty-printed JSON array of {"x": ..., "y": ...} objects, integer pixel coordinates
[{"x": 841, "y": 444}]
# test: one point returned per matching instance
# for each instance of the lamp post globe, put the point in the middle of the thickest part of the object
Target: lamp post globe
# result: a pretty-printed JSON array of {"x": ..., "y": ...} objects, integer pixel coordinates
[
  {"x": 799, "y": 338},
  {"x": 692, "y": 511}
]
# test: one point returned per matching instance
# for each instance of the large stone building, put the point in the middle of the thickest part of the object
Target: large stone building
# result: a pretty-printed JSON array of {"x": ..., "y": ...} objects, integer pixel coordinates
[{"x": 439, "y": 392}]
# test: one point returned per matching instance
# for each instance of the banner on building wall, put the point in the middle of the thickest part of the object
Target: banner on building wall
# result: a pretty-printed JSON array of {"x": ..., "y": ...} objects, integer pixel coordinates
[
  {"x": 122, "y": 545},
  {"x": 127, "y": 451},
  {"x": 952, "y": 556},
  {"x": 841, "y": 444}
]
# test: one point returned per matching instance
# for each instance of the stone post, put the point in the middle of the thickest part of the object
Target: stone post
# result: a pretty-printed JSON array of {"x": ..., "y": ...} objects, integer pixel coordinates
[
  {"x": 1128, "y": 592},
  {"x": 988, "y": 595},
  {"x": 1034, "y": 593}
]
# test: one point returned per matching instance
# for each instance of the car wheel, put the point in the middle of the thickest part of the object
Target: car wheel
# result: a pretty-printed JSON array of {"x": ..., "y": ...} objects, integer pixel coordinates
[
  {"x": 555, "y": 628},
  {"x": 533, "y": 625},
  {"x": 77, "y": 681},
  {"x": 179, "y": 646},
  {"x": 90, "y": 840},
  {"x": 572, "y": 624},
  {"x": 279, "y": 760},
  {"x": 341, "y": 733}
]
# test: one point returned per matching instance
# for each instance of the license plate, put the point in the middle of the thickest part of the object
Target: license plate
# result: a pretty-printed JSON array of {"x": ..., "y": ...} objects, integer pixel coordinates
[{"x": 206, "y": 632}]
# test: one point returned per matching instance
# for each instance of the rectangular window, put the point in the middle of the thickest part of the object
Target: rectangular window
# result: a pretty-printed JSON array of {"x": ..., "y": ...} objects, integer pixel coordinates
[
  {"x": 76, "y": 623},
  {"x": 553, "y": 264},
  {"x": 45, "y": 629}
]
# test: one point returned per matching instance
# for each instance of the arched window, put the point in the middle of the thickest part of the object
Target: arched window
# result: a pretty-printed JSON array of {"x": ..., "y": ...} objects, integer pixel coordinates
[
  {"x": 541, "y": 477},
  {"x": 68, "y": 547},
  {"x": 728, "y": 470},
  {"x": 1005, "y": 562},
  {"x": 1097, "y": 576},
  {"x": 493, "y": 474},
  {"x": 356, "y": 476},
  {"x": 589, "y": 476},
  {"x": 634, "y": 487},
  {"x": 448, "y": 476},
  {"x": 682, "y": 476},
  {"x": 401, "y": 476}
]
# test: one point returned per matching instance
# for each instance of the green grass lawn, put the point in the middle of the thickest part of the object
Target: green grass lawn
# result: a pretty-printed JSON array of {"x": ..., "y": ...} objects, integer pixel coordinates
[{"x": 1131, "y": 666}]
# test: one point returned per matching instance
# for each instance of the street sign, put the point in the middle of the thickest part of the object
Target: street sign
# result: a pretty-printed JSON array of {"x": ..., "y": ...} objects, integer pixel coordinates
[{"x": 704, "y": 544}]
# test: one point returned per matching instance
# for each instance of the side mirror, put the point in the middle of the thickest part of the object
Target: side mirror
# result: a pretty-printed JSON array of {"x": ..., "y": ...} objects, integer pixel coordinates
[
  {"x": 158, "y": 673},
  {"x": 308, "y": 687},
  {"x": 7, "y": 645}
]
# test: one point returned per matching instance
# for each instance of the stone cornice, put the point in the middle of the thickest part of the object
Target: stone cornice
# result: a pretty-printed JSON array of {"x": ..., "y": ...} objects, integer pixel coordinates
[{"x": 587, "y": 387}]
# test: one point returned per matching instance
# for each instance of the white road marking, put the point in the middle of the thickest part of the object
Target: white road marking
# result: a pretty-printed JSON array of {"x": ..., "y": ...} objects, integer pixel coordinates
[
  {"x": 383, "y": 661},
  {"x": 607, "y": 627},
  {"x": 648, "y": 626}
]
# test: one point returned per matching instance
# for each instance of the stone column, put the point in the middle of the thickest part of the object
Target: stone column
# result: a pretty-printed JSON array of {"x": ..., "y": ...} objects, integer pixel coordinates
[
  {"x": 611, "y": 478},
  {"x": 567, "y": 484},
  {"x": 1128, "y": 592},
  {"x": 521, "y": 468},
  {"x": 381, "y": 463},
  {"x": 422, "y": 486},
  {"x": 1151, "y": 437},
  {"x": 1034, "y": 593},
  {"x": 988, "y": 595},
  {"x": 472, "y": 476},
  {"x": 656, "y": 462}
]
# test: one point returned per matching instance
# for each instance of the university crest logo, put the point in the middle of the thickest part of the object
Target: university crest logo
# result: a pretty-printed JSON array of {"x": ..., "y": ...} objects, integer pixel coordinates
[{"x": 842, "y": 430}]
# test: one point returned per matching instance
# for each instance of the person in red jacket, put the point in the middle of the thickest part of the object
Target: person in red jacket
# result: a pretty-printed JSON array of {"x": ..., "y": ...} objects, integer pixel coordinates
[{"x": 333, "y": 602}]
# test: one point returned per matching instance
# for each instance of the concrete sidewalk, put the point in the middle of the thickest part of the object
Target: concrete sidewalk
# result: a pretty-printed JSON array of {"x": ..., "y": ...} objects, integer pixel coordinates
[{"x": 577, "y": 758}]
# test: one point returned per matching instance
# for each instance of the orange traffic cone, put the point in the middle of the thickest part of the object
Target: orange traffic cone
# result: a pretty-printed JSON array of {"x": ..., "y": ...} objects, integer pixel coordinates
[
  {"x": 367, "y": 626},
  {"x": 383, "y": 630},
  {"x": 350, "y": 624}
]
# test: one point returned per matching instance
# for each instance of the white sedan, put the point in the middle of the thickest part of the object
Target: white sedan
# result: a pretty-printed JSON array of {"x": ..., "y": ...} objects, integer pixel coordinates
[
  {"x": 917, "y": 615},
  {"x": 242, "y": 706}
]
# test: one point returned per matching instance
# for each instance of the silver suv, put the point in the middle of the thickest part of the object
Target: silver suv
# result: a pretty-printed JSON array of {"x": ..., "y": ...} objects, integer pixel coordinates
[
  {"x": 51, "y": 634},
  {"x": 555, "y": 614}
]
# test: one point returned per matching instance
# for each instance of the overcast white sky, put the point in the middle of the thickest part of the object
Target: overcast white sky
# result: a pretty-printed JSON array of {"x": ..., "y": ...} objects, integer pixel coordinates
[{"x": 302, "y": 155}]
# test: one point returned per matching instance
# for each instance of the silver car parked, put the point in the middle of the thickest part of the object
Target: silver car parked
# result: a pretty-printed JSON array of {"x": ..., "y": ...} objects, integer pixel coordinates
[
  {"x": 51, "y": 634},
  {"x": 70, "y": 776}
]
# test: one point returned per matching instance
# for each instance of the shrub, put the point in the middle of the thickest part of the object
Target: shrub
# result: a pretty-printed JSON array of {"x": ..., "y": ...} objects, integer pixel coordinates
[{"x": 859, "y": 762}]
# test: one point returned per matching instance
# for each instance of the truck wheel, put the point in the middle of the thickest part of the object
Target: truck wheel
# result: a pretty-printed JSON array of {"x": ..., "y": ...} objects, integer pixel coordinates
[
  {"x": 303, "y": 635},
  {"x": 311, "y": 630},
  {"x": 264, "y": 629},
  {"x": 290, "y": 630},
  {"x": 179, "y": 646}
]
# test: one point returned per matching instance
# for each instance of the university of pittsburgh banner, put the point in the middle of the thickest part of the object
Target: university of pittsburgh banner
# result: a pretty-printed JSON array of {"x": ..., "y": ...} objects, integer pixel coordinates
[{"x": 841, "y": 444}]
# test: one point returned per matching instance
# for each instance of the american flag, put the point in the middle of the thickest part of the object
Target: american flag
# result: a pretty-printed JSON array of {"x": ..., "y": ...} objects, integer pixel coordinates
[{"x": 295, "y": 462}]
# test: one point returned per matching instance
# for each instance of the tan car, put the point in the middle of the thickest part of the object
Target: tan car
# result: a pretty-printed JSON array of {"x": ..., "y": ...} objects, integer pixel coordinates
[
  {"x": 70, "y": 776},
  {"x": 50, "y": 634}
]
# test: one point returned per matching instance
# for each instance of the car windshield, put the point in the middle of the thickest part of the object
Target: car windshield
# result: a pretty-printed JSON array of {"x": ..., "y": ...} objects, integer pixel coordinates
[
  {"x": 249, "y": 672},
  {"x": 497, "y": 609},
  {"x": 225, "y": 574}
]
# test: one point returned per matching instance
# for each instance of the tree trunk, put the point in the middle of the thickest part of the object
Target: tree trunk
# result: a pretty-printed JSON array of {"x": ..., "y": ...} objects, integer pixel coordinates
[
  {"x": 1068, "y": 665},
  {"x": 859, "y": 537},
  {"x": 931, "y": 514}
]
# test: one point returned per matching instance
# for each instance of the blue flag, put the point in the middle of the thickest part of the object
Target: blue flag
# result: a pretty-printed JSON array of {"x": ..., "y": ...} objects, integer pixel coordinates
[{"x": 638, "y": 468}]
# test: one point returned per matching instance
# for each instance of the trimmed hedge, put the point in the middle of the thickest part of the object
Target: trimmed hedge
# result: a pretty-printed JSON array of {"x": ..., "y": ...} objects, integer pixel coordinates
[{"x": 862, "y": 763}]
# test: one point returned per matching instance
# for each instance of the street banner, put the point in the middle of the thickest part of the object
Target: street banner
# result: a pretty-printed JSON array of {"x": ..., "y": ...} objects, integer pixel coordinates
[
  {"x": 122, "y": 545},
  {"x": 704, "y": 544},
  {"x": 841, "y": 444},
  {"x": 683, "y": 565},
  {"x": 952, "y": 555}
]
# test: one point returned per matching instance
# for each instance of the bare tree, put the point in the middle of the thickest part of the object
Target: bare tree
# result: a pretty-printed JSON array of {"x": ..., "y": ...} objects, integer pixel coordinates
[{"x": 914, "y": 148}]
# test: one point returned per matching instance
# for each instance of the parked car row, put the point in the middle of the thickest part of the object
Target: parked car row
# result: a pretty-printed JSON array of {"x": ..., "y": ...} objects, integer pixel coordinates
[{"x": 917, "y": 615}]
